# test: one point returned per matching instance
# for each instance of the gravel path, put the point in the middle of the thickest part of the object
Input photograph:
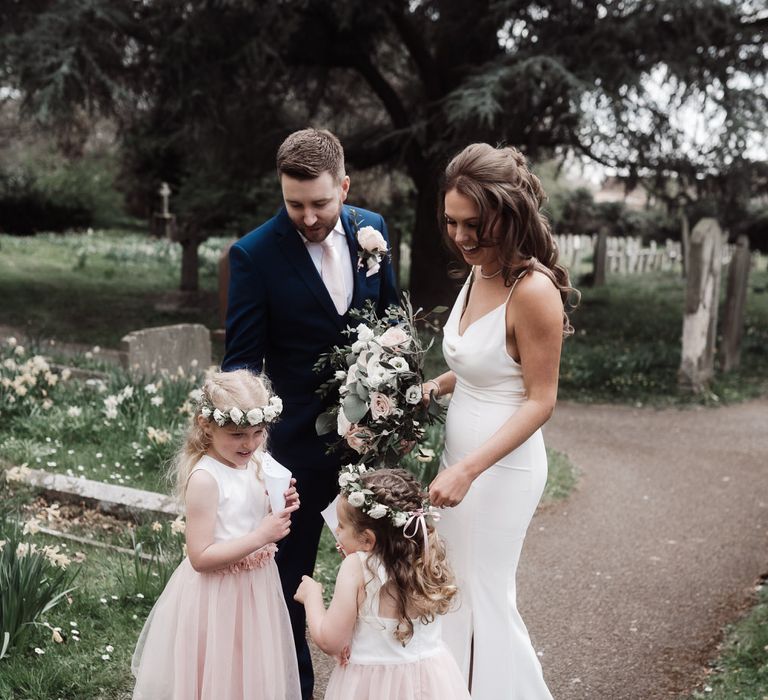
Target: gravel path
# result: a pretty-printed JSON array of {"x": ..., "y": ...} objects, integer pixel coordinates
[{"x": 626, "y": 586}]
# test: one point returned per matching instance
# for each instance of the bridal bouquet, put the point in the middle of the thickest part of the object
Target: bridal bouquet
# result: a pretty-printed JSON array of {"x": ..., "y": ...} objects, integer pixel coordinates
[{"x": 378, "y": 378}]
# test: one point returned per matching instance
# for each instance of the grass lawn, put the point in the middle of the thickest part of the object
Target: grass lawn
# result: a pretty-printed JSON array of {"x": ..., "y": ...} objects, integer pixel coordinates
[
  {"x": 627, "y": 343},
  {"x": 93, "y": 289},
  {"x": 742, "y": 669}
]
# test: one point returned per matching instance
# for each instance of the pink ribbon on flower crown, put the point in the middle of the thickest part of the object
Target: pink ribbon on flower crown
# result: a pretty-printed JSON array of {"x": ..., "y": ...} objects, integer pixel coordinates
[{"x": 418, "y": 518}]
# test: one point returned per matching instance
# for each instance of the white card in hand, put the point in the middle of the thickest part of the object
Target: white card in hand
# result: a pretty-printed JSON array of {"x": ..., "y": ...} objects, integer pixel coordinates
[
  {"x": 277, "y": 479},
  {"x": 330, "y": 517}
]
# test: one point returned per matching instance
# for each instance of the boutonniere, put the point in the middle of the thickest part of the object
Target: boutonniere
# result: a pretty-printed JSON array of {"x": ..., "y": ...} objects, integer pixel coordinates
[{"x": 371, "y": 246}]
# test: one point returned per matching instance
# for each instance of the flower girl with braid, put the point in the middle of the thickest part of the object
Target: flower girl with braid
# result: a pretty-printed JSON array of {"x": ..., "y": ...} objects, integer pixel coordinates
[
  {"x": 393, "y": 585},
  {"x": 220, "y": 629}
]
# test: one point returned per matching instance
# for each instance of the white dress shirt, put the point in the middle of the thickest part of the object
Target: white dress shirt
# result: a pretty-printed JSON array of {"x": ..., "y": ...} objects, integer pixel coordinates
[{"x": 340, "y": 244}]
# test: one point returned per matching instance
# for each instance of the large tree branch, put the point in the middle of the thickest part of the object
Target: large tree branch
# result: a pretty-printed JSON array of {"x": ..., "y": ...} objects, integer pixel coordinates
[
  {"x": 382, "y": 89},
  {"x": 414, "y": 42}
]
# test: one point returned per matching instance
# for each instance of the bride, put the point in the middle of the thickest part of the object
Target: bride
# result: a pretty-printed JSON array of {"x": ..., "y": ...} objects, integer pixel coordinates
[{"x": 502, "y": 343}]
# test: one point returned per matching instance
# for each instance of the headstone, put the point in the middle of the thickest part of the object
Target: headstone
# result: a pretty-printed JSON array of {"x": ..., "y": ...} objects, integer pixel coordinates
[
  {"x": 166, "y": 348},
  {"x": 735, "y": 304},
  {"x": 601, "y": 257},
  {"x": 701, "y": 298},
  {"x": 163, "y": 222}
]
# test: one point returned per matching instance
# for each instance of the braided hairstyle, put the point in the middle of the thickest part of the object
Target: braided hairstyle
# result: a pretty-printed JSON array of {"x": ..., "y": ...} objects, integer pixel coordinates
[
  {"x": 509, "y": 198},
  {"x": 421, "y": 586}
]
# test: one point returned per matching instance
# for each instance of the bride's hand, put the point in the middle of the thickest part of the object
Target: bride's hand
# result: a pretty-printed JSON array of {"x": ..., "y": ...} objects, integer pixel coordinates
[{"x": 449, "y": 487}]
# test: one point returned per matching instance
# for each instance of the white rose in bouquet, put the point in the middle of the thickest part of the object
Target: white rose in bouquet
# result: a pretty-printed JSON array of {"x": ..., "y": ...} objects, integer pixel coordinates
[
  {"x": 413, "y": 394},
  {"x": 364, "y": 333},
  {"x": 399, "y": 364},
  {"x": 346, "y": 478}
]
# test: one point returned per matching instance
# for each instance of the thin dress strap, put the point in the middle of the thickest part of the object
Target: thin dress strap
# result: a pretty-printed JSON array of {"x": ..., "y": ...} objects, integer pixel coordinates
[{"x": 514, "y": 284}]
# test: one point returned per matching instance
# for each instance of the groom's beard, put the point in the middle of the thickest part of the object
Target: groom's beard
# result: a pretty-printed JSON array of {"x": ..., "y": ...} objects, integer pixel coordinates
[{"x": 319, "y": 231}]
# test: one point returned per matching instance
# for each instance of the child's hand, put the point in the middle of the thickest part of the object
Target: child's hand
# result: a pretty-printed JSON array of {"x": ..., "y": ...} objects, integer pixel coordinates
[
  {"x": 276, "y": 526},
  {"x": 306, "y": 588},
  {"x": 292, "y": 495}
]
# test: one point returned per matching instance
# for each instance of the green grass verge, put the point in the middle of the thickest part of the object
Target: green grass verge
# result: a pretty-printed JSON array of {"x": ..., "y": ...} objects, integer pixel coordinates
[
  {"x": 93, "y": 289},
  {"x": 627, "y": 344},
  {"x": 742, "y": 669},
  {"x": 74, "y": 670}
]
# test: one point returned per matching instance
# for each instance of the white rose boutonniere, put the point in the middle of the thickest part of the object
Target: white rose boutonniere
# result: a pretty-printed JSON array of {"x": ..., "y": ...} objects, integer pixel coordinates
[{"x": 372, "y": 247}]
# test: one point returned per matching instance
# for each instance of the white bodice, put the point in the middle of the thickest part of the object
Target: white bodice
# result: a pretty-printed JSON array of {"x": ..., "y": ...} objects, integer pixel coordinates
[
  {"x": 374, "y": 641},
  {"x": 243, "y": 499},
  {"x": 489, "y": 383}
]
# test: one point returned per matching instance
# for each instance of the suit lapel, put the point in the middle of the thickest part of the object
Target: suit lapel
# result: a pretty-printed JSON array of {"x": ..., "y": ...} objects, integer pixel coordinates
[
  {"x": 295, "y": 250},
  {"x": 349, "y": 229}
]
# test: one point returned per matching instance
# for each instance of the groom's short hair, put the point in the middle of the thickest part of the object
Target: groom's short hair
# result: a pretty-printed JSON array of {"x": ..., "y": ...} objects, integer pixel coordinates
[{"x": 308, "y": 153}]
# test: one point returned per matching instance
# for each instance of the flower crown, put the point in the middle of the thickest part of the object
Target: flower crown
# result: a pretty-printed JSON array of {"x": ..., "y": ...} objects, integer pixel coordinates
[
  {"x": 267, "y": 413},
  {"x": 362, "y": 498}
]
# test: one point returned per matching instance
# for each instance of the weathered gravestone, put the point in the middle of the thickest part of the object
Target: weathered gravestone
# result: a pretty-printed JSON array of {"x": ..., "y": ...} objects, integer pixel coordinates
[
  {"x": 701, "y": 297},
  {"x": 166, "y": 348},
  {"x": 735, "y": 304}
]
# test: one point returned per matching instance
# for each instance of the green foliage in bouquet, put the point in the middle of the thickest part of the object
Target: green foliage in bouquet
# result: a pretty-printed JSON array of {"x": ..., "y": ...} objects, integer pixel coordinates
[{"x": 379, "y": 413}]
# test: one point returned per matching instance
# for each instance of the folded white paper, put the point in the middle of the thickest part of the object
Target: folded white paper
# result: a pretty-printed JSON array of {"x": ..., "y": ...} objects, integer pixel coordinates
[
  {"x": 330, "y": 517},
  {"x": 277, "y": 479}
]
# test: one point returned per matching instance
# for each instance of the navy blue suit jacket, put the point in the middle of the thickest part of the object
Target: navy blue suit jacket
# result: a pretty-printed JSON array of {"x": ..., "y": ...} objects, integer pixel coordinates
[{"x": 280, "y": 318}]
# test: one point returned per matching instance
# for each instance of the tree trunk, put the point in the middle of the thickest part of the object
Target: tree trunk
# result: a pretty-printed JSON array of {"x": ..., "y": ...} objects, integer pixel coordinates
[{"x": 430, "y": 284}]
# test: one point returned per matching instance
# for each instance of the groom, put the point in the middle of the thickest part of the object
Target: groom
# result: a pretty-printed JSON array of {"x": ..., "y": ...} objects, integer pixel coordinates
[{"x": 292, "y": 283}]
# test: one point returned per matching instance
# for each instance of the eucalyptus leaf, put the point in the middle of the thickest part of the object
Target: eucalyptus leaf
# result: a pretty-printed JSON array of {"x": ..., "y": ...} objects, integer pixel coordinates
[
  {"x": 325, "y": 423},
  {"x": 354, "y": 407}
]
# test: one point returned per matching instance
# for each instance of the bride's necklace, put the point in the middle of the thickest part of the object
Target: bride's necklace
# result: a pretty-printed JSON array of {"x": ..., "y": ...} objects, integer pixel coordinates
[{"x": 491, "y": 276}]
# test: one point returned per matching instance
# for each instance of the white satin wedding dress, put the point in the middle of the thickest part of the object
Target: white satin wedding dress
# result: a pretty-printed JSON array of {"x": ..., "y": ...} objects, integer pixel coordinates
[{"x": 484, "y": 533}]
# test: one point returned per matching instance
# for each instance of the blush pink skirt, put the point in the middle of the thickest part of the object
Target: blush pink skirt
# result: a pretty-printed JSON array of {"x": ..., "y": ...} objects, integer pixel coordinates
[
  {"x": 222, "y": 635},
  {"x": 435, "y": 678}
]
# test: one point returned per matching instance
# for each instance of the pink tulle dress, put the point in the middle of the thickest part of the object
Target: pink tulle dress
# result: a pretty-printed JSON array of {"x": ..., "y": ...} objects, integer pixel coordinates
[
  {"x": 221, "y": 635},
  {"x": 381, "y": 668}
]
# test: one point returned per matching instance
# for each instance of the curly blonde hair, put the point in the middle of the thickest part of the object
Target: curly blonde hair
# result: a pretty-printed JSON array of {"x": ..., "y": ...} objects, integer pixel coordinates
[
  {"x": 509, "y": 198},
  {"x": 224, "y": 390},
  {"x": 421, "y": 586}
]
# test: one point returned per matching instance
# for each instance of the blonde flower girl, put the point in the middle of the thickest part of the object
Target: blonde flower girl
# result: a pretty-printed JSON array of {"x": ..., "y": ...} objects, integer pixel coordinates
[
  {"x": 393, "y": 586},
  {"x": 220, "y": 629}
]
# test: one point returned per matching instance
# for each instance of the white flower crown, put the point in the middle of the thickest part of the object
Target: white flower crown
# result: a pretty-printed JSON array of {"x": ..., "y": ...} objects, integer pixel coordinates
[
  {"x": 362, "y": 498},
  {"x": 267, "y": 413}
]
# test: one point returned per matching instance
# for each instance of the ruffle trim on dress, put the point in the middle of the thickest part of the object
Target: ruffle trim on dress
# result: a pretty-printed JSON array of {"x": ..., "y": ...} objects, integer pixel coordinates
[{"x": 255, "y": 560}]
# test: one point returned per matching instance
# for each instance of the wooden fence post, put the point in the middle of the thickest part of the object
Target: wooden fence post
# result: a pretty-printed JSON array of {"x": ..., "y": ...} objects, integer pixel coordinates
[{"x": 600, "y": 257}]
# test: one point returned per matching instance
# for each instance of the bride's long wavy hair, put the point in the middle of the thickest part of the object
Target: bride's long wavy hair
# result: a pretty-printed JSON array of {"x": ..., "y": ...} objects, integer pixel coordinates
[
  {"x": 421, "y": 584},
  {"x": 509, "y": 198}
]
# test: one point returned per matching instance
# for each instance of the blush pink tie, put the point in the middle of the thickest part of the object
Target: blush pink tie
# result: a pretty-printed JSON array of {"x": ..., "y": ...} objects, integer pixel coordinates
[{"x": 332, "y": 274}]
